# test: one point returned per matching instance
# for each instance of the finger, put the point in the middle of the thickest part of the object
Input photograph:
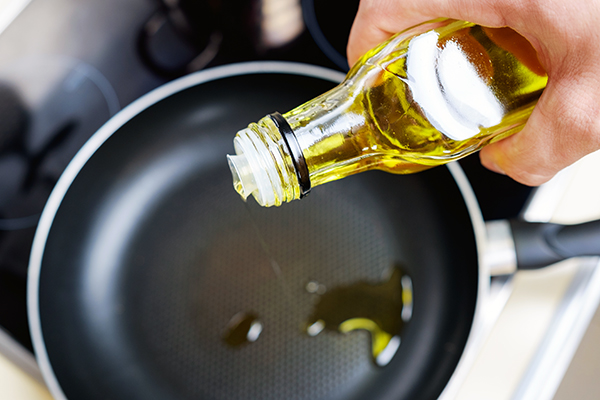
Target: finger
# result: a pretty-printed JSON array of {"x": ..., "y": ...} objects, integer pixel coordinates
[
  {"x": 377, "y": 20},
  {"x": 368, "y": 29},
  {"x": 561, "y": 130}
]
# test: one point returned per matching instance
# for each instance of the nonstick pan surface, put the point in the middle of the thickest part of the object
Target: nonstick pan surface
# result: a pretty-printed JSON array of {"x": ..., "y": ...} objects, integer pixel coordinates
[{"x": 144, "y": 254}]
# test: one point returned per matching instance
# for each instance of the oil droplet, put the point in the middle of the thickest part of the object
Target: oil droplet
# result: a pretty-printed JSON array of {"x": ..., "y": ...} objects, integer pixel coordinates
[
  {"x": 315, "y": 287},
  {"x": 380, "y": 308},
  {"x": 242, "y": 328}
]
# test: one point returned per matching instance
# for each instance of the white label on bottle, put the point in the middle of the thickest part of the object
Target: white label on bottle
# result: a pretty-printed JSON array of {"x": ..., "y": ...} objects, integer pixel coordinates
[{"x": 447, "y": 87}]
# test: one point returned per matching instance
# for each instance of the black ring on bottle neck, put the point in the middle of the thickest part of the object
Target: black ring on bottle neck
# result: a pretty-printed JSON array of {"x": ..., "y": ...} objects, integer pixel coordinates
[{"x": 298, "y": 160}]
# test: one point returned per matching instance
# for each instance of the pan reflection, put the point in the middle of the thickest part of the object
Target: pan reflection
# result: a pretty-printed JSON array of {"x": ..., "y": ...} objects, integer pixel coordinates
[{"x": 243, "y": 328}]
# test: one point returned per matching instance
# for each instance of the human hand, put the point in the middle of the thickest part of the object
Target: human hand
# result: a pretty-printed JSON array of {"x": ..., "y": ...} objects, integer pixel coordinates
[{"x": 565, "y": 124}]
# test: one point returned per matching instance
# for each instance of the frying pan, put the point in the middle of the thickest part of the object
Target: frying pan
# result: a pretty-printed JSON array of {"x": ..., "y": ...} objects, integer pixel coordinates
[{"x": 144, "y": 253}]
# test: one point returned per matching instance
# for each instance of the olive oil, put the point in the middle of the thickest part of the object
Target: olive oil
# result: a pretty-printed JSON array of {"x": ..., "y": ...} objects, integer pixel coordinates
[
  {"x": 432, "y": 94},
  {"x": 382, "y": 309},
  {"x": 272, "y": 261}
]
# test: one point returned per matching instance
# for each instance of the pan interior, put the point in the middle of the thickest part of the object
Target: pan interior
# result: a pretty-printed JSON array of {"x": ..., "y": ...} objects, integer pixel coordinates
[{"x": 152, "y": 254}]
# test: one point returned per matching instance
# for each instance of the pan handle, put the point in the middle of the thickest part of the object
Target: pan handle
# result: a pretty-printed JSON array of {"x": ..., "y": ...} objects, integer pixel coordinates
[{"x": 516, "y": 244}]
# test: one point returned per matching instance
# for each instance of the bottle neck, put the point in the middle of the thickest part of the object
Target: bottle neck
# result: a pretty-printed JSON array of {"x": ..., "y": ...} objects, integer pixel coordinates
[
  {"x": 294, "y": 151},
  {"x": 263, "y": 165},
  {"x": 280, "y": 158},
  {"x": 332, "y": 131}
]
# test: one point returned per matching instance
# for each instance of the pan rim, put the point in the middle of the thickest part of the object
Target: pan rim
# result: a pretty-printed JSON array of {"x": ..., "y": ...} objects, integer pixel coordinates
[
  {"x": 483, "y": 287},
  {"x": 162, "y": 92}
]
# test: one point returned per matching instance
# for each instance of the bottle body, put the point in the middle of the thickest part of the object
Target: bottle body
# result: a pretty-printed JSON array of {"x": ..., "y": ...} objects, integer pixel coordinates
[{"x": 430, "y": 95}]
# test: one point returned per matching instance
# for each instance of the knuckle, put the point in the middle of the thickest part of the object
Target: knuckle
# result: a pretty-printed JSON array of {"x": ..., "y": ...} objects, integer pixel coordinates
[
  {"x": 511, "y": 12},
  {"x": 531, "y": 174},
  {"x": 578, "y": 124},
  {"x": 529, "y": 177},
  {"x": 368, "y": 6}
]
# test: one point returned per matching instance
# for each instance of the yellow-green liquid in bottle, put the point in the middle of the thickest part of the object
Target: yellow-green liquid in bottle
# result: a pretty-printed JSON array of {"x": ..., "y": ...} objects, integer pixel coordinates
[{"x": 429, "y": 95}]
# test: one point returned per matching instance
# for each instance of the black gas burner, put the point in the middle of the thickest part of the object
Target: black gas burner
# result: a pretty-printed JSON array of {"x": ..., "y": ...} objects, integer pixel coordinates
[
  {"x": 59, "y": 83},
  {"x": 50, "y": 105},
  {"x": 53, "y": 104}
]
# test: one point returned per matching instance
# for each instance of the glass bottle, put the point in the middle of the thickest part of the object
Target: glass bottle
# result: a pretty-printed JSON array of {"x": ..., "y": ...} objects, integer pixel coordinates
[{"x": 430, "y": 95}]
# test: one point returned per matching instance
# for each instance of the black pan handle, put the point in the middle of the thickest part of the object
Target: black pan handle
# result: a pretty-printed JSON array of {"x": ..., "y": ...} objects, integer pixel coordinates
[
  {"x": 541, "y": 244},
  {"x": 515, "y": 244}
]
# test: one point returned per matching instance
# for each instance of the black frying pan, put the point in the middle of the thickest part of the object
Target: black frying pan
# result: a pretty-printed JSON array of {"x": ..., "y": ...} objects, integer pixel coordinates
[{"x": 145, "y": 252}]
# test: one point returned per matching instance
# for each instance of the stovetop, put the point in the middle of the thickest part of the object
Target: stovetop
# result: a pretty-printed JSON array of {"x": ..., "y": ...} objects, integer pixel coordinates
[{"x": 67, "y": 66}]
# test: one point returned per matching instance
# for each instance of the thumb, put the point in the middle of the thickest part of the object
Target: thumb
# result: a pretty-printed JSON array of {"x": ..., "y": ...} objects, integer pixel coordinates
[{"x": 562, "y": 128}]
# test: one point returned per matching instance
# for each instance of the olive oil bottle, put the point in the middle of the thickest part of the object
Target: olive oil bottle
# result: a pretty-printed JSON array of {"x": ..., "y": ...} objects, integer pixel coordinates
[{"x": 429, "y": 95}]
